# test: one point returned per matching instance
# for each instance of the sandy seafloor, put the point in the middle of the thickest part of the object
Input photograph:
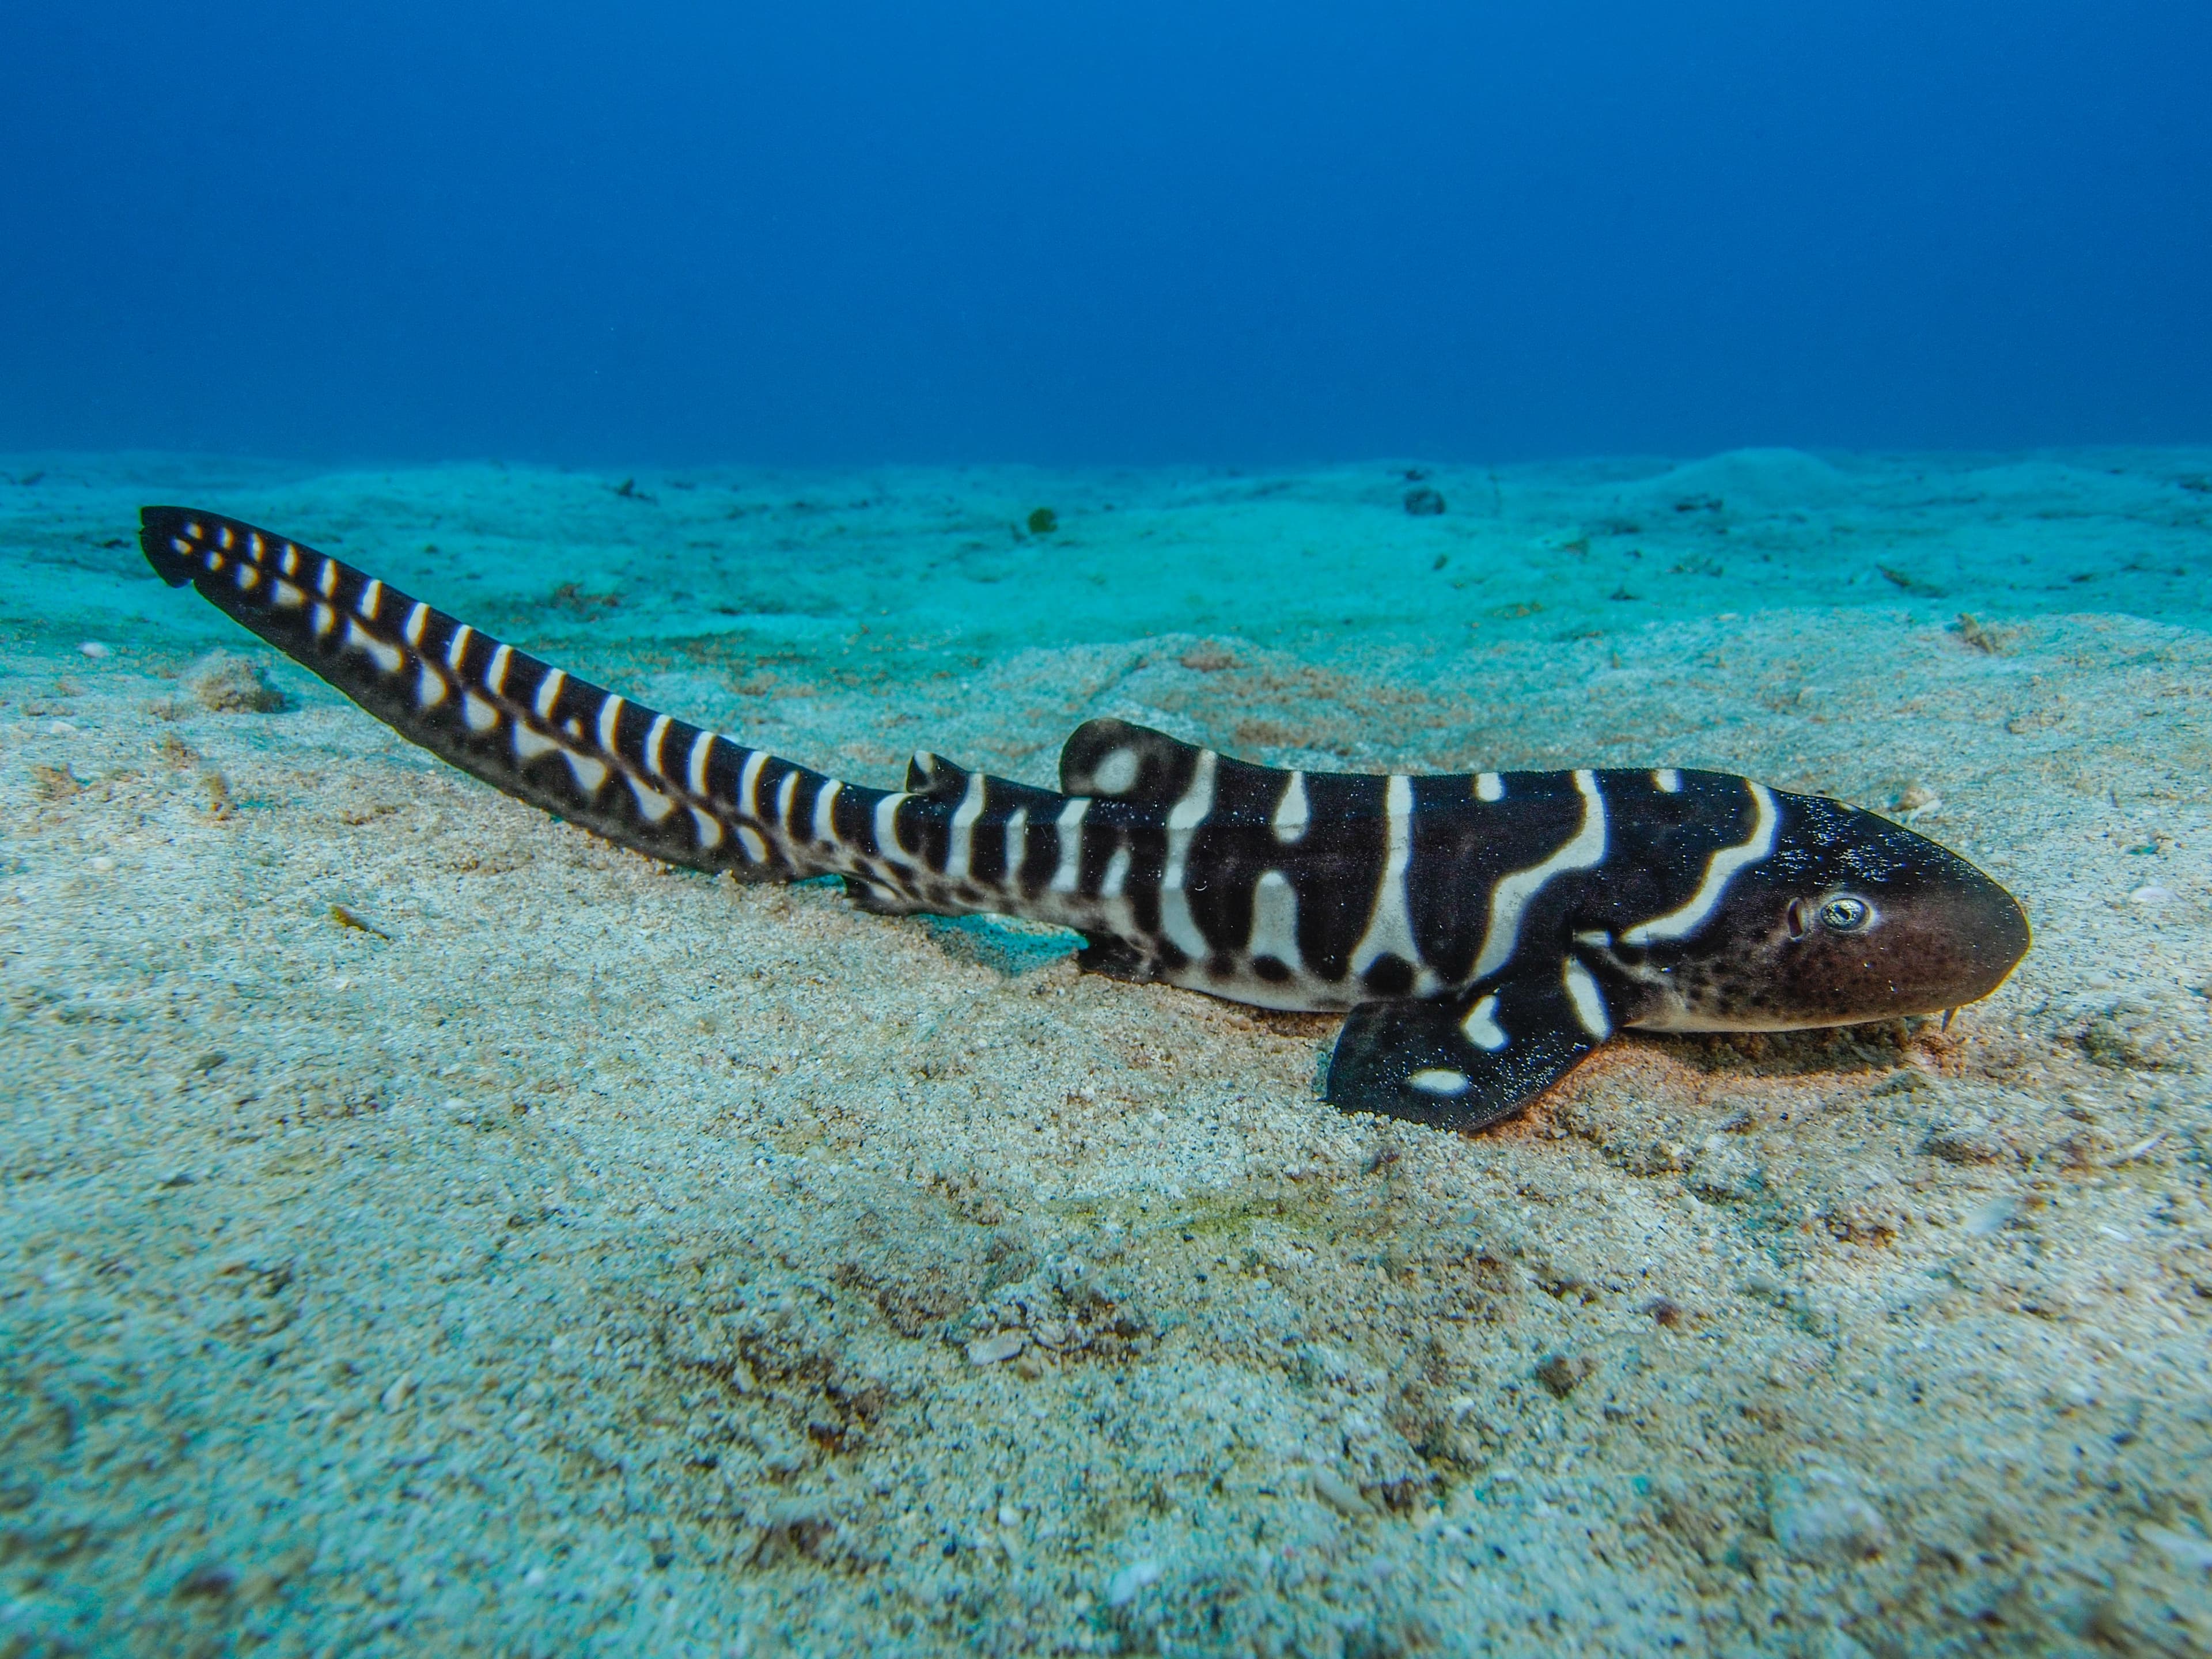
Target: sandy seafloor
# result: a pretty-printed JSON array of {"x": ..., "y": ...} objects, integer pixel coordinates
[{"x": 595, "y": 1259}]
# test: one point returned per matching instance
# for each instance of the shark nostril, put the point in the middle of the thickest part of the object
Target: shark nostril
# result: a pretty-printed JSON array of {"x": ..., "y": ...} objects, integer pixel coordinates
[{"x": 1800, "y": 924}]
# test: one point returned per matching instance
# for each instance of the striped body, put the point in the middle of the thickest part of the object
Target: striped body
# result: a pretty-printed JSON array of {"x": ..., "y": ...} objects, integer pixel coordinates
[{"x": 1485, "y": 931}]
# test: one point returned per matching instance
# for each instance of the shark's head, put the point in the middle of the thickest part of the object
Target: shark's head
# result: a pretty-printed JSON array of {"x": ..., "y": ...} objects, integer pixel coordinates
[{"x": 1850, "y": 919}]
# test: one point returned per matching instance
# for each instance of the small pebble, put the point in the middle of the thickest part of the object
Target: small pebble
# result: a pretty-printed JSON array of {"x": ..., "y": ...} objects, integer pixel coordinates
[
  {"x": 1964, "y": 1143},
  {"x": 2073, "y": 1394},
  {"x": 1819, "y": 1519},
  {"x": 213, "y": 1581},
  {"x": 1124, "y": 1586},
  {"x": 94, "y": 650},
  {"x": 232, "y": 685},
  {"x": 1985, "y": 1221},
  {"x": 1339, "y": 1494},
  {"x": 346, "y": 916},
  {"x": 998, "y": 1346},
  {"x": 398, "y": 1394},
  {"x": 2152, "y": 896},
  {"x": 2184, "y": 1549},
  {"x": 1563, "y": 1375},
  {"x": 2141, "y": 1147}
]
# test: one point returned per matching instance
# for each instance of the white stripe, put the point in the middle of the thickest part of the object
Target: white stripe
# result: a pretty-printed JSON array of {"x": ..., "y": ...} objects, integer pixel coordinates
[
  {"x": 1511, "y": 898},
  {"x": 289, "y": 597},
  {"x": 1488, "y": 786},
  {"x": 702, "y": 746},
  {"x": 1017, "y": 823},
  {"x": 429, "y": 686},
  {"x": 826, "y": 822},
  {"x": 887, "y": 841},
  {"x": 1117, "y": 872},
  {"x": 326, "y": 620},
  {"x": 1064, "y": 878},
  {"x": 371, "y": 597},
  {"x": 756, "y": 848},
  {"x": 957, "y": 855},
  {"x": 1184, "y": 819},
  {"x": 710, "y": 829},
  {"x": 415, "y": 618},
  {"x": 654, "y": 741},
  {"x": 329, "y": 579},
  {"x": 610, "y": 712},
  {"x": 1482, "y": 1028},
  {"x": 1666, "y": 780},
  {"x": 496, "y": 671},
  {"x": 1275, "y": 920},
  {"x": 480, "y": 714},
  {"x": 1185, "y": 816},
  {"x": 548, "y": 690},
  {"x": 591, "y": 771},
  {"x": 749, "y": 782},
  {"x": 1590, "y": 1002},
  {"x": 1390, "y": 928},
  {"x": 530, "y": 743},
  {"x": 650, "y": 801},
  {"x": 460, "y": 646},
  {"x": 387, "y": 655},
  {"x": 1720, "y": 870},
  {"x": 784, "y": 794},
  {"x": 1292, "y": 812},
  {"x": 290, "y": 562}
]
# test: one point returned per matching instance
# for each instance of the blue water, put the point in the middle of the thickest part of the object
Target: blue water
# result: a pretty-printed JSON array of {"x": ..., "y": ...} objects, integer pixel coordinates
[{"x": 1138, "y": 233}]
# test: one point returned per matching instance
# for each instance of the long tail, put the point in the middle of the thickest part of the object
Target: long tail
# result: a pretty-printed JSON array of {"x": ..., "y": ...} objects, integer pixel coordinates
[{"x": 635, "y": 776}]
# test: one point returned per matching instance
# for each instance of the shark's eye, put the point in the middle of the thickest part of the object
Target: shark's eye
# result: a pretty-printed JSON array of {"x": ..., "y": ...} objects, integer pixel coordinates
[{"x": 1845, "y": 915}]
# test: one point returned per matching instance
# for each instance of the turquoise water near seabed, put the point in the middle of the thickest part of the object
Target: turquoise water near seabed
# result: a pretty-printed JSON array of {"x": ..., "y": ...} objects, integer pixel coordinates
[{"x": 1320, "y": 562}]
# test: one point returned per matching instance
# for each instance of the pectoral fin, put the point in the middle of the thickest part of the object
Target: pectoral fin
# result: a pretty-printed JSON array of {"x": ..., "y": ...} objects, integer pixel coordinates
[{"x": 1469, "y": 1062}]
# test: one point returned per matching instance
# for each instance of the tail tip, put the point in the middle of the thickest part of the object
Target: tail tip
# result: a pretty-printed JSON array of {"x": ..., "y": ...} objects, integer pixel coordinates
[{"x": 168, "y": 547}]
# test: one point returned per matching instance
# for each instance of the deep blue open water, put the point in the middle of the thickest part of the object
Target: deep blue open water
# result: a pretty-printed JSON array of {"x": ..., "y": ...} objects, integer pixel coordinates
[{"x": 1149, "y": 232}]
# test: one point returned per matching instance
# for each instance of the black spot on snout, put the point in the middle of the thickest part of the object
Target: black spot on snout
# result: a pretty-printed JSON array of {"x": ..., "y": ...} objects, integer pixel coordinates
[{"x": 1389, "y": 976}]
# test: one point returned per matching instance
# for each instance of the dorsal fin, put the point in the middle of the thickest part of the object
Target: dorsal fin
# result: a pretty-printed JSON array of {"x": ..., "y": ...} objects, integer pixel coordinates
[
  {"x": 1121, "y": 762},
  {"x": 935, "y": 776}
]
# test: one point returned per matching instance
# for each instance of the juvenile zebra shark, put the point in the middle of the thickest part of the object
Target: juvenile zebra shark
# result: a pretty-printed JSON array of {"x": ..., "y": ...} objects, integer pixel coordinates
[{"x": 1482, "y": 933}]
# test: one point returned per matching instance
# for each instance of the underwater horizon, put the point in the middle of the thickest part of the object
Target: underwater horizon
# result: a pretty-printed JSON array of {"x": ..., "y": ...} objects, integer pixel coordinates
[{"x": 1391, "y": 694}]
